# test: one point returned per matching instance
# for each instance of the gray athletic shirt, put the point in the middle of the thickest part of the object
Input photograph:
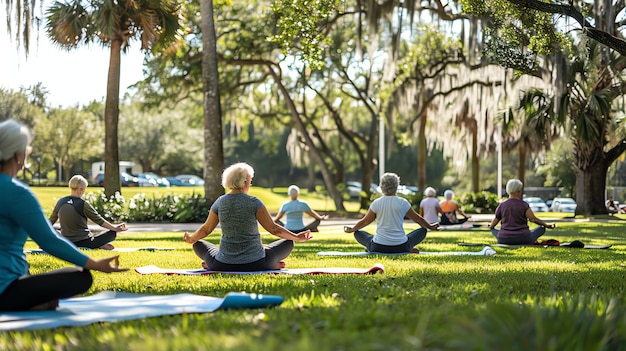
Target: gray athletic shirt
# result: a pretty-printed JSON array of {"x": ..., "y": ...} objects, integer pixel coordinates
[
  {"x": 72, "y": 212},
  {"x": 241, "y": 241}
]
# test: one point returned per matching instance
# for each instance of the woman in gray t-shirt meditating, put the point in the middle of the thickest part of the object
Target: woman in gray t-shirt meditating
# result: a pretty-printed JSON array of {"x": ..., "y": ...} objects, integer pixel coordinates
[{"x": 240, "y": 214}]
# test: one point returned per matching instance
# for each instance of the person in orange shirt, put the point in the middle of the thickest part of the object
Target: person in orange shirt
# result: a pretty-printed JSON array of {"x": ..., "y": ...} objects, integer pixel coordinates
[{"x": 450, "y": 210}]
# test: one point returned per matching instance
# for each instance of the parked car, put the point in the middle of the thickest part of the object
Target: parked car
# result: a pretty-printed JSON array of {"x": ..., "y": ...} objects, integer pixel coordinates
[
  {"x": 536, "y": 204},
  {"x": 414, "y": 188},
  {"x": 563, "y": 204},
  {"x": 154, "y": 179},
  {"x": 185, "y": 180},
  {"x": 354, "y": 189},
  {"x": 125, "y": 178}
]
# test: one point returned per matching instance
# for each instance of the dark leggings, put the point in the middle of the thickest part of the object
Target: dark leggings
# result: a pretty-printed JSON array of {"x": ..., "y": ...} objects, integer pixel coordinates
[
  {"x": 97, "y": 241},
  {"x": 526, "y": 239},
  {"x": 311, "y": 226},
  {"x": 445, "y": 220},
  {"x": 413, "y": 238},
  {"x": 29, "y": 291},
  {"x": 274, "y": 253}
]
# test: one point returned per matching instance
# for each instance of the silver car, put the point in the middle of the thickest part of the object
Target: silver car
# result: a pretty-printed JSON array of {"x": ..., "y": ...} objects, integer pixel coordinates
[
  {"x": 536, "y": 204},
  {"x": 563, "y": 204}
]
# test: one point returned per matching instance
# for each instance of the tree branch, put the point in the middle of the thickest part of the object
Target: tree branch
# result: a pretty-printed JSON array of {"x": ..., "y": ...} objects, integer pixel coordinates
[{"x": 590, "y": 31}]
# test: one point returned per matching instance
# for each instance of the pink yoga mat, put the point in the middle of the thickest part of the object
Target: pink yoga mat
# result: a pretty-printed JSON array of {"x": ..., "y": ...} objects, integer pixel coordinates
[{"x": 377, "y": 268}]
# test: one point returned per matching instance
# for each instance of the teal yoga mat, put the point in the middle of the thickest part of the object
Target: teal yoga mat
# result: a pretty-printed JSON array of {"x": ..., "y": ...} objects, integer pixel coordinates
[{"x": 109, "y": 306}]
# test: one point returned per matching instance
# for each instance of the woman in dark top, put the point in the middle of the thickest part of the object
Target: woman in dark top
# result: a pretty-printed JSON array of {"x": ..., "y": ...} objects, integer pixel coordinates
[
  {"x": 72, "y": 211},
  {"x": 514, "y": 213},
  {"x": 239, "y": 215}
]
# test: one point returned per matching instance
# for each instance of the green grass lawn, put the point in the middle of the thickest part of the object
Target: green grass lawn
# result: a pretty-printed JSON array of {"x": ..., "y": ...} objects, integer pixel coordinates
[{"x": 521, "y": 299}]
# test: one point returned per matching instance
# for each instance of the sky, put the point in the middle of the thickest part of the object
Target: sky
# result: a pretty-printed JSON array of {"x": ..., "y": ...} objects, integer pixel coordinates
[{"x": 71, "y": 78}]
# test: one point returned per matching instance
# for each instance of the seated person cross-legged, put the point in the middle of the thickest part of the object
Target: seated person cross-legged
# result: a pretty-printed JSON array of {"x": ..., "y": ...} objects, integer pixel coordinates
[
  {"x": 610, "y": 206},
  {"x": 294, "y": 210},
  {"x": 239, "y": 214},
  {"x": 450, "y": 210},
  {"x": 514, "y": 214},
  {"x": 22, "y": 218},
  {"x": 389, "y": 211},
  {"x": 429, "y": 206},
  {"x": 72, "y": 211}
]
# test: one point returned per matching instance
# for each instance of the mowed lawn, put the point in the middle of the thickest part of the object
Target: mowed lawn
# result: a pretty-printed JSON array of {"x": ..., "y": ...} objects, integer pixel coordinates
[{"x": 532, "y": 298}]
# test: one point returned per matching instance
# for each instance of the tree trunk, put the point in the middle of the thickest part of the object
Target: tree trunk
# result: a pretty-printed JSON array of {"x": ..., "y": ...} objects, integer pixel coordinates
[
  {"x": 521, "y": 167},
  {"x": 368, "y": 164},
  {"x": 421, "y": 153},
  {"x": 590, "y": 186},
  {"x": 111, "y": 119},
  {"x": 474, "y": 156},
  {"x": 311, "y": 177},
  {"x": 213, "y": 144}
]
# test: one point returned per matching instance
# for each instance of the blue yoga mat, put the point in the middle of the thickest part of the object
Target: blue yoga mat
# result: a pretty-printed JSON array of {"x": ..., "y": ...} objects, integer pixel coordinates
[{"x": 109, "y": 306}]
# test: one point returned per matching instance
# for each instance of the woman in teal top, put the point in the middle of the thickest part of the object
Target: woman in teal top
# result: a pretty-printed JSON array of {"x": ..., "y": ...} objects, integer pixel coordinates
[{"x": 21, "y": 217}]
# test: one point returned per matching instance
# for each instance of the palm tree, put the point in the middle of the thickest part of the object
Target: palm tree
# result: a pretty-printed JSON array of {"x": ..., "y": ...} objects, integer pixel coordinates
[
  {"x": 539, "y": 126},
  {"x": 585, "y": 109},
  {"x": 213, "y": 145},
  {"x": 112, "y": 24},
  {"x": 596, "y": 83}
]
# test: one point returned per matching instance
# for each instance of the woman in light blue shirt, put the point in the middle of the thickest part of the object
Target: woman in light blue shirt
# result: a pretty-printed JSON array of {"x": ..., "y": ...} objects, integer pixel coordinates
[
  {"x": 294, "y": 210},
  {"x": 21, "y": 217},
  {"x": 389, "y": 211}
]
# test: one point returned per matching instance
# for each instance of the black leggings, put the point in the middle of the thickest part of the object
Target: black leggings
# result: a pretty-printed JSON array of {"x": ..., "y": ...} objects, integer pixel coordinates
[
  {"x": 29, "y": 291},
  {"x": 98, "y": 240},
  {"x": 274, "y": 253}
]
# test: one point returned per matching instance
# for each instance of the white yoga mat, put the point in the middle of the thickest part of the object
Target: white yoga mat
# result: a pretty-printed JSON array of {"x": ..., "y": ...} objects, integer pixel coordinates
[
  {"x": 377, "y": 268},
  {"x": 466, "y": 225},
  {"x": 486, "y": 251},
  {"x": 109, "y": 306}
]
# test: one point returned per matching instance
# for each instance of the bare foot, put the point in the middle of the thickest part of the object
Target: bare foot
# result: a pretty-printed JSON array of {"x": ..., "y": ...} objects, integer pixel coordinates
[
  {"x": 280, "y": 265},
  {"x": 415, "y": 250},
  {"x": 46, "y": 306},
  {"x": 204, "y": 265},
  {"x": 107, "y": 247}
]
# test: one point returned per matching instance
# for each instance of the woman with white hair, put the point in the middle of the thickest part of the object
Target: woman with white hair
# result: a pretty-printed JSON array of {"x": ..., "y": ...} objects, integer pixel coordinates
[
  {"x": 21, "y": 217},
  {"x": 389, "y": 212},
  {"x": 294, "y": 211},
  {"x": 72, "y": 211},
  {"x": 514, "y": 214},
  {"x": 450, "y": 210},
  {"x": 429, "y": 206},
  {"x": 240, "y": 214}
]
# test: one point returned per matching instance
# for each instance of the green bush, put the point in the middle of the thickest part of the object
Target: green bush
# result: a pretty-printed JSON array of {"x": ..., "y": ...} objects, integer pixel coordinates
[
  {"x": 481, "y": 202},
  {"x": 139, "y": 208},
  {"x": 414, "y": 199}
]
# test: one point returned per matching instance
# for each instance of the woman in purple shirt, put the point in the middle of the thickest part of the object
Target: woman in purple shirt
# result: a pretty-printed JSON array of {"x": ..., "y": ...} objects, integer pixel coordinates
[
  {"x": 21, "y": 217},
  {"x": 514, "y": 213}
]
